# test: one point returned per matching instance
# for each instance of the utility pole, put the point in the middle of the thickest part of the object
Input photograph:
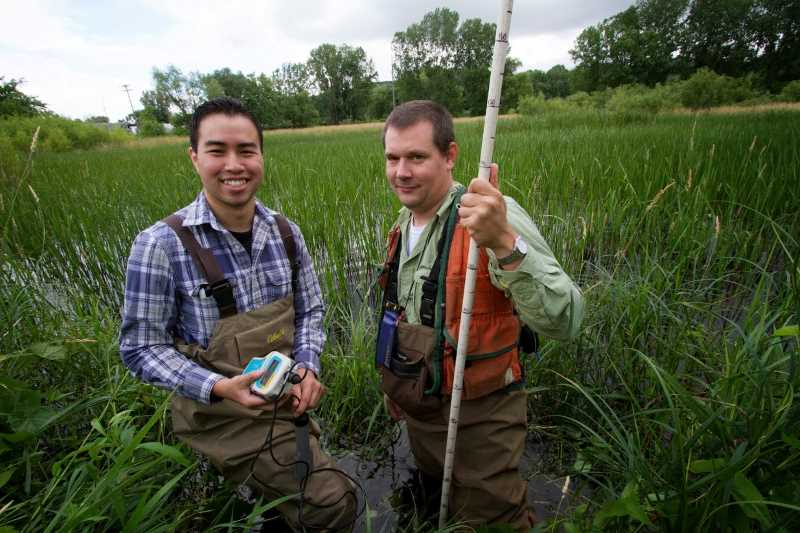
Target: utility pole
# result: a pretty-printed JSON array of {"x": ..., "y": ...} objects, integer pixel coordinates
[{"x": 128, "y": 92}]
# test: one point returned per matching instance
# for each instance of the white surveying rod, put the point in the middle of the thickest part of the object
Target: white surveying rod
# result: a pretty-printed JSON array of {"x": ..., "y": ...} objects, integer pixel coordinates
[{"x": 487, "y": 147}]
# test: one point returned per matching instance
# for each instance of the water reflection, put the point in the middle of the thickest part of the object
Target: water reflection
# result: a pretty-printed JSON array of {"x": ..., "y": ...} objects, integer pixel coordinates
[{"x": 397, "y": 498}]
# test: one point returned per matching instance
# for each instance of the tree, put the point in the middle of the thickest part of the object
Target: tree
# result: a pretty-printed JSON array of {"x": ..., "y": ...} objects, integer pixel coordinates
[
  {"x": 657, "y": 39},
  {"x": 293, "y": 78},
  {"x": 182, "y": 93},
  {"x": 293, "y": 82},
  {"x": 424, "y": 60},
  {"x": 775, "y": 26},
  {"x": 638, "y": 45},
  {"x": 440, "y": 60},
  {"x": 474, "y": 47},
  {"x": 343, "y": 76},
  {"x": 14, "y": 102},
  {"x": 156, "y": 105},
  {"x": 717, "y": 36},
  {"x": 381, "y": 100}
]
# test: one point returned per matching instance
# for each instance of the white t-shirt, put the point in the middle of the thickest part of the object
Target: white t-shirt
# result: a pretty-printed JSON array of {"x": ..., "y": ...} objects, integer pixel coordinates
[{"x": 414, "y": 233}]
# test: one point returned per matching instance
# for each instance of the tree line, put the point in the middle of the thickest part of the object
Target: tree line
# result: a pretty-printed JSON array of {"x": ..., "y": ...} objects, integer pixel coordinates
[
  {"x": 654, "y": 41},
  {"x": 446, "y": 59}
]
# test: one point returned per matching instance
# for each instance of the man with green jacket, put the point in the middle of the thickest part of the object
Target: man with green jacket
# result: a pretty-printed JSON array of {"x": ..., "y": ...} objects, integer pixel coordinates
[{"x": 520, "y": 287}]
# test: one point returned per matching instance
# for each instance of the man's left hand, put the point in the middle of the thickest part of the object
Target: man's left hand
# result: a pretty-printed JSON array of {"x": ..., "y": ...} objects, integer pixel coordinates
[
  {"x": 306, "y": 394},
  {"x": 483, "y": 214}
]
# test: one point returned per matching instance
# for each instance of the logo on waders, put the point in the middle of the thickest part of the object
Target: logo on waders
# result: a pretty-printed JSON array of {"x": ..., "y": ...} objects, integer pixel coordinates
[{"x": 275, "y": 336}]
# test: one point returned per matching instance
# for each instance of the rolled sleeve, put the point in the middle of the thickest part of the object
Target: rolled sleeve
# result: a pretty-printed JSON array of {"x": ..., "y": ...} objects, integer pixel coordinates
[{"x": 545, "y": 297}]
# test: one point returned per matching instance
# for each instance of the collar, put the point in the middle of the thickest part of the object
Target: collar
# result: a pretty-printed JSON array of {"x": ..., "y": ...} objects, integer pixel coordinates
[{"x": 199, "y": 212}]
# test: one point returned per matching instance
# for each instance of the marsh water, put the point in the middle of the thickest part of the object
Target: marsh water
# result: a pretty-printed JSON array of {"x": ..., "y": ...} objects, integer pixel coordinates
[{"x": 387, "y": 485}]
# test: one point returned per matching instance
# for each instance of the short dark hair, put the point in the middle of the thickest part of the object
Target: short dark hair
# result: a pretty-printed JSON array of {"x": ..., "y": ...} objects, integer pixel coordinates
[
  {"x": 227, "y": 106},
  {"x": 410, "y": 113}
]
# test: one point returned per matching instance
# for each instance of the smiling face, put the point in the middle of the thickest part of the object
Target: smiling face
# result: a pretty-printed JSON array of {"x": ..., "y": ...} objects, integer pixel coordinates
[
  {"x": 231, "y": 166},
  {"x": 419, "y": 174}
]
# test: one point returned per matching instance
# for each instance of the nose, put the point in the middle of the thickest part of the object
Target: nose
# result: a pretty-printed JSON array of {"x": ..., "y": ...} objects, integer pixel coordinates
[
  {"x": 403, "y": 168},
  {"x": 233, "y": 163}
]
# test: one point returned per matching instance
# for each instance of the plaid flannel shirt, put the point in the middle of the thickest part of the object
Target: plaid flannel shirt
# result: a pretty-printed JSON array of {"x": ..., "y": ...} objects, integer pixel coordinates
[{"x": 165, "y": 296}]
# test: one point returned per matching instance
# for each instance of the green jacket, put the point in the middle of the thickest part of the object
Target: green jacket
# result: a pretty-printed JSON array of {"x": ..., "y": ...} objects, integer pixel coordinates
[{"x": 545, "y": 297}]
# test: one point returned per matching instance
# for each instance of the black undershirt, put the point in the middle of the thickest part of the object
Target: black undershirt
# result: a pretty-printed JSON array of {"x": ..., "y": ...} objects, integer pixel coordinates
[{"x": 246, "y": 240}]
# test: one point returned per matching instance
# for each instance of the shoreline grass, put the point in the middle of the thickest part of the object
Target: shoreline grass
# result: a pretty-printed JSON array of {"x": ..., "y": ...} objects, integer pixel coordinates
[{"x": 676, "y": 406}]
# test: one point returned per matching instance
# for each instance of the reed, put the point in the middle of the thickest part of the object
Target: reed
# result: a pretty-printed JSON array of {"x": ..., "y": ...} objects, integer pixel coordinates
[{"x": 675, "y": 409}]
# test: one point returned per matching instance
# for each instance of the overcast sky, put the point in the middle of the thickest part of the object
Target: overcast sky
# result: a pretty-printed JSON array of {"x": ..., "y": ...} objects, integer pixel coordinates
[{"x": 76, "y": 55}]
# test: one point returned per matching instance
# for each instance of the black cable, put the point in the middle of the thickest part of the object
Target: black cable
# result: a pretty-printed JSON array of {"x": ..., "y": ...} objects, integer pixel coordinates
[{"x": 309, "y": 472}]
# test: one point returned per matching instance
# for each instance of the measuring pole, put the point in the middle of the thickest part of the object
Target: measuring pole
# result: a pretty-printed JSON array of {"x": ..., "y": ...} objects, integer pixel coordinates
[{"x": 487, "y": 147}]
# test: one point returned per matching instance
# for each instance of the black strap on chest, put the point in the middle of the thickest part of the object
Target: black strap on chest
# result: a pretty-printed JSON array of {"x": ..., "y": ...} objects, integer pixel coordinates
[
  {"x": 218, "y": 285},
  {"x": 430, "y": 284}
]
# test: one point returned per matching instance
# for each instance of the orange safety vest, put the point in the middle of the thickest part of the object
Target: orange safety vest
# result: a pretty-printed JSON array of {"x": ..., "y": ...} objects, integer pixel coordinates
[{"x": 493, "y": 360}]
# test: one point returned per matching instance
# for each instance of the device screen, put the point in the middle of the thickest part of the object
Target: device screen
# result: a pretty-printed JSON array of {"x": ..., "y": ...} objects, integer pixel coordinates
[{"x": 271, "y": 368}]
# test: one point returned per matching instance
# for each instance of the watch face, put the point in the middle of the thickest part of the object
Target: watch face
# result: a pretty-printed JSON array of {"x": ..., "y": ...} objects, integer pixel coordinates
[{"x": 521, "y": 245}]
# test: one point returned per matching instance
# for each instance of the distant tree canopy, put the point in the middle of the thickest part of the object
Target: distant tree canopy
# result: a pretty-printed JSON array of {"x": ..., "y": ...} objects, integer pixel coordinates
[
  {"x": 333, "y": 86},
  {"x": 448, "y": 60},
  {"x": 14, "y": 102},
  {"x": 654, "y": 40},
  {"x": 440, "y": 60},
  {"x": 343, "y": 77}
]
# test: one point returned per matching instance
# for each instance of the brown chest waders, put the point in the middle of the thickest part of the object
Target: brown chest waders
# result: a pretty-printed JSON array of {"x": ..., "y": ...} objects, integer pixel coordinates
[{"x": 230, "y": 434}]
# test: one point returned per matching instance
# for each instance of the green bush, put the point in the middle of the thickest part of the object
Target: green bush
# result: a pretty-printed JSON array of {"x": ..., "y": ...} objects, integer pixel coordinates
[
  {"x": 538, "y": 105},
  {"x": 54, "y": 140},
  {"x": 791, "y": 92},
  {"x": 707, "y": 89},
  {"x": 581, "y": 99},
  {"x": 150, "y": 127},
  {"x": 634, "y": 103},
  {"x": 57, "y": 134},
  {"x": 9, "y": 158}
]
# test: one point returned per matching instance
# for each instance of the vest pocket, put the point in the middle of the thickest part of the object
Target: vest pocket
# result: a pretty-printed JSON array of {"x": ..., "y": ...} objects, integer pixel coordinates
[{"x": 405, "y": 379}]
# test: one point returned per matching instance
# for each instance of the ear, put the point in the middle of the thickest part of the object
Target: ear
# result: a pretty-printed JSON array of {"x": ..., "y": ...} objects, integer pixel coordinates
[
  {"x": 451, "y": 155},
  {"x": 193, "y": 157}
]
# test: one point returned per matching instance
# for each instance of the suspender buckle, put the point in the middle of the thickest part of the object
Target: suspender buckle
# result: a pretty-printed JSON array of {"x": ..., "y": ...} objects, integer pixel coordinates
[
  {"x": 222, "y": 291},
  {"x": 427, "y": 307}
]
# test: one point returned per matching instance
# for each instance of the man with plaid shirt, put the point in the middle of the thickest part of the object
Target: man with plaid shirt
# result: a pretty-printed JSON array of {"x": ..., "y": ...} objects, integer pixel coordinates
[{"x": 186, "y": 332}]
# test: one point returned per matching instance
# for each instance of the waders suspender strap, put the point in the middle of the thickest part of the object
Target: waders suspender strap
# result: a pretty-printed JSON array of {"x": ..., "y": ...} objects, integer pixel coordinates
[
  {"x": 218, "y": 286},
  {"x": 291, "y": 250}
]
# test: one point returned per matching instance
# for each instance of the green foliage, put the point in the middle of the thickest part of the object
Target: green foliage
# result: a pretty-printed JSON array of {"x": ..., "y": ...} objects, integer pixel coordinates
[
  {"x": 653, "y": 40},
  {"x": 149, "y": 126},
  {"x": 56, "y": 134},
  {"x": 439, "y": 60},
  {"x": 677, "y": 404},
  {"x": 705, "y": 88},
  {"x": 380, "y": 101},
  {"x": 14, "y": 102},
  {"x": 791, "y": 91},
  {"x": 634, "y": 103},
  {"x": 343, "y": 76}
]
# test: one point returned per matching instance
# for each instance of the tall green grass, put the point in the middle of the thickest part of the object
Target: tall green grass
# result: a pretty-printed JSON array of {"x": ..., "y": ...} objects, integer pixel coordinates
[{"x": 677, "y": 405}]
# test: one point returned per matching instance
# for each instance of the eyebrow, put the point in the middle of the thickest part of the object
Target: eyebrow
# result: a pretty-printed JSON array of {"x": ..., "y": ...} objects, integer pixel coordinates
[{"x": 212, "y": 143}]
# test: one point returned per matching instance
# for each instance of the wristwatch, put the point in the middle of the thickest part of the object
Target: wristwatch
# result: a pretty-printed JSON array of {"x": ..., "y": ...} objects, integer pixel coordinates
[{"x": 520, "y": 251}]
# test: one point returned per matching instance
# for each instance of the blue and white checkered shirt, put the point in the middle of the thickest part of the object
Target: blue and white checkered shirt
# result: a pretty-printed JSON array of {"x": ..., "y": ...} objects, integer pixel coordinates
[{"x": 165, "y": 296}]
